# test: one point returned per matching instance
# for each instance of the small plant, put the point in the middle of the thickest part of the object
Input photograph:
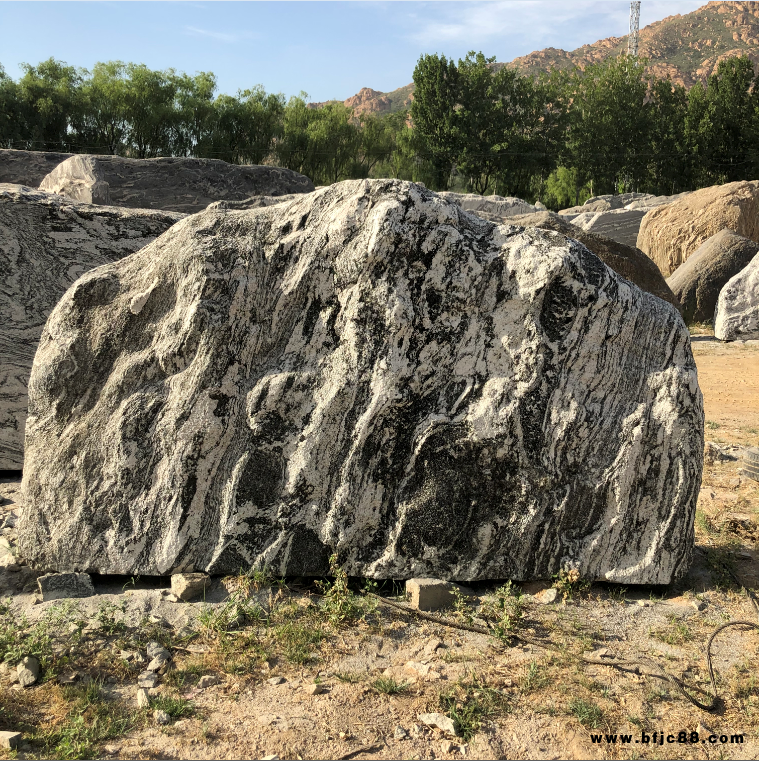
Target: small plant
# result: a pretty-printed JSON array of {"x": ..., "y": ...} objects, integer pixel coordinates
[
  {"x": 340, "y": 604},
  {"x": 389, "y": 686},
  {"x": 175, "y": 706},
  {"x": 468, "y": 703},
  {"x": 107, "y": 617},
  {"x": 236, "y": 610},
  {"x": 534, "y": 678},
  {"x": 298, "y": 642},
  {"x": 677, "y": 633},
  {"x": 703, "y": 523},
  {"x": 570, "y": 583},
  {"x": 712, "y": 425},
  {"x": 461, "y": 607},
  {"x": 506, "y": 610},
  {"x": 588, "y": 714},
  {"x": 349, "y": 677}
]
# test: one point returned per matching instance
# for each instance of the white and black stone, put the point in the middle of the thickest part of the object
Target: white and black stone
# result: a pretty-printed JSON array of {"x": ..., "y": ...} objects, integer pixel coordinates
[
  {"x": 46, "y": 243},
  {"x": 367, "y": 370},
  {"x": 737, "y": 314}
]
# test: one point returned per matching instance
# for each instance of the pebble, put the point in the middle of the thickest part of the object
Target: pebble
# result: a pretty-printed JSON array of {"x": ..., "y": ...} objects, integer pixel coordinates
[
  {"x": 143, "y": 700},
  {"x": 69, "y": 677},
  {"x": 440, "y": 721},
  {"x": 400, "y": 733},
  {"x": 161, "y": 717},
  {"x": 209, "y": 680},
  {"x": 547, "y": 596},
  {"x": 316, "y": 689},
  {"x": 276, "y": 680},
  {"x": 147, "y": 679},
  {"x": 28, "y": 671}
]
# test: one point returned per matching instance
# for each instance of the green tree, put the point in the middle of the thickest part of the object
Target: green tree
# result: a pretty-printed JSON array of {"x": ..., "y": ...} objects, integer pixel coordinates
[
  {"x": 150, "y": 103},
  {"x": 105, "y": 119},
  {"x": 669, "y": 165},
  {"x": 11, "y": 120},
  {"x": 609, "y": 124},
  {"x": 50, "y": 105},
  {"x": 433, "y": 113},
  {"x": 196, "y": 117}
]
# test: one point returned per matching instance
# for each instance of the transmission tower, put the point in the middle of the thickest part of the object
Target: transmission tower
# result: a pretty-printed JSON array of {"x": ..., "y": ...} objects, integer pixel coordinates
[{"x": 632, "y": 40}]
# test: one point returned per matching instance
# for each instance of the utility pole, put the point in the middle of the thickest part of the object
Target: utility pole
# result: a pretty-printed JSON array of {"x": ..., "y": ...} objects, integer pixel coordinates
[{"x": 632, "y": 40}]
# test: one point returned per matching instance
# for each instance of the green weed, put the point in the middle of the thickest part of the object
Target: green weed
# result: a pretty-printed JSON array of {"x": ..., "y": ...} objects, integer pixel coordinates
[
  {"x": 389, "y": 686},
  {"x": 588, "y": 714},
  {"x": 469, "y": 703}
]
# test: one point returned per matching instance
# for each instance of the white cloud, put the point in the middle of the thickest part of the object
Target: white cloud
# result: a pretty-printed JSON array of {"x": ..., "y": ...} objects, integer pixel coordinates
[
  {"x": 525, "y": 25},
  {"x": 193, "y": 31}
]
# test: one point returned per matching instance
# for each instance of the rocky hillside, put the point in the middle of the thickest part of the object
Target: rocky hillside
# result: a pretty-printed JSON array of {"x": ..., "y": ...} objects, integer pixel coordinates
[{"x": 685, "y": 48}]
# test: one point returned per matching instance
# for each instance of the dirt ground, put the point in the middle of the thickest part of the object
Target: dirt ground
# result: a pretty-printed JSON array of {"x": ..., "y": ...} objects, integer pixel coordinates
[{"x": 377, "y": 669}]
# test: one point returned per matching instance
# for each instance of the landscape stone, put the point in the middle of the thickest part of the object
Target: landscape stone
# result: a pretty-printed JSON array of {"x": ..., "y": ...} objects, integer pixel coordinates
[
  {"x": 79, "y": 178},
  {"x": 369, "y": 371},
  {"x": 28, "y": 671},
  {"x": 28, "y": 167},
  {"x": 10, "y": 740},
  {"x": 46, "y": 243},
  {"x": 737, "y": 313},
  {"x": 698, "y": 281},
  {"x": 187, "y": 586},
  {"x": 628, "y": 261},
  {"x": 256, "y": 202},
  {"x": 498, "y": 205},
  {"x": 621, "y": 225},
  {"x": 61, "y": 586},
  {"x": 671, "y": 233},
  {"x": 180, "y": 184}
]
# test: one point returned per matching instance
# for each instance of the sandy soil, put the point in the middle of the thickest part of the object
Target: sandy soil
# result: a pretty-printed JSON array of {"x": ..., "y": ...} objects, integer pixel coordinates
[{"x": 520, "y": 701}]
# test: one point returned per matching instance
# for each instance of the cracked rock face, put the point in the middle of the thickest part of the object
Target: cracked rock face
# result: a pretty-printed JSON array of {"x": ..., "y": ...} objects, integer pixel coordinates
[
  {"x": 367, "y": 370},
  {"x": 737, "y": 313},
  {"x": 46, "y": 243}
]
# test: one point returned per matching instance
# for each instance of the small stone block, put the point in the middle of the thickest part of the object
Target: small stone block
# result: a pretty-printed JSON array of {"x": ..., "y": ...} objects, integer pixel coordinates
[
  {"x": 59, "y": 586},
  {"x": 430, "y": 594},
  {"x": 143, "y": 699},
  {"x": 186, "y": 586},
  {"x": 315, "y": 689},
  {"x": 10, "y": 739}
]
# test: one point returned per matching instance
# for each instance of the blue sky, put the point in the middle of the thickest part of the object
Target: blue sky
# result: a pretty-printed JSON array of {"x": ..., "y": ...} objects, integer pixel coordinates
[{"x": 327, "y": 49}]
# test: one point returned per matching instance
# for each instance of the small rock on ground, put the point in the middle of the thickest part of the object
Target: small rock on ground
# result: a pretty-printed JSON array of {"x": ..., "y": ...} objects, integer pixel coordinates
[
  {"x": 10, "y": 739},
  {"x": 186, "y": 586},
  {"x": 209, "y": 680},
  {"x": 28, "y": 671},
  {"x": 161, "y": 717},
  {"x": 143, "y": 700},
  {"x": 440, "y": 721}
]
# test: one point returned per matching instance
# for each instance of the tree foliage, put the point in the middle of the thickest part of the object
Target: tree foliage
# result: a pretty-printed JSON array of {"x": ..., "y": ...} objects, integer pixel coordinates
[{"x": 473, "y": 125}]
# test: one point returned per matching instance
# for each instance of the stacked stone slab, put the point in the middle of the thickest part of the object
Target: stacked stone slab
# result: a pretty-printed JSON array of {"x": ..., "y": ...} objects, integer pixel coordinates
[
  {"x": 370, "y": 371},
  {"x": 46, "y": 243},
  {"x": 670, "y": 234},
  {"x": 697, "y": 283},
  {"x": 737, "y": 313},
  {"x": 627, "y": 261},
  {"x": 173, "y": 184}
]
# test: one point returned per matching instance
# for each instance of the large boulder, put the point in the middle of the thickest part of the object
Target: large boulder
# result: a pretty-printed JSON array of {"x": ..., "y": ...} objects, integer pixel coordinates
[
  {"x": 737, "y": 312},
  {"x": 172, "y": 184},
  {"x": 256, "y": 202},
  {"x": 627, "y": 261},
  {"x": 28, "y": 167},
  {"x": 367, "y": 370},
  {"x": 618, "y": 224},
  {"x": 498, "y": 205},
  {"x": 698, "y": 282},
  {"x": 669, "y": 234},
  {"x": 46, "y": 243}
]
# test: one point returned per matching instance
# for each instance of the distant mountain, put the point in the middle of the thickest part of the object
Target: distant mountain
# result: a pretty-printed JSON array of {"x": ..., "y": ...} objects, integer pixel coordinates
[{"x": 686, "y": 48}]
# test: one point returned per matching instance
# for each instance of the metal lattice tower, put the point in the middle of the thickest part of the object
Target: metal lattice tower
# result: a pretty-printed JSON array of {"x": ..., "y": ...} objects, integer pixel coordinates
[{"x": 632, "y": 40}]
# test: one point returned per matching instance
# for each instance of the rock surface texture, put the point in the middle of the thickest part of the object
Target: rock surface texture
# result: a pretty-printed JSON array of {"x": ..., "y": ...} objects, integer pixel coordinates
[
  {"x": 172, "y": 184},
  {"x": 498, "y": 205},
  {"x": 368, "y": 370},
  {"x": 28, "y": 167},
  {"x": 737, "y": 313},
  {"x": 46, "y": 243},
  {"x": 670, "y": 234},
  {"x": 697, "y": 283},
  {"x": 256, "y": 202},
  {"x": 627, "y": 261}
]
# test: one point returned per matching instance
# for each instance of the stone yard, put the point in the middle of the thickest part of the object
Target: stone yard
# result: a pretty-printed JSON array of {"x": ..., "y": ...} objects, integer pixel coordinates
[{"x": 266, "y": 668}]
